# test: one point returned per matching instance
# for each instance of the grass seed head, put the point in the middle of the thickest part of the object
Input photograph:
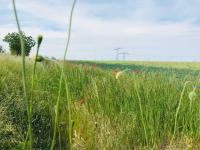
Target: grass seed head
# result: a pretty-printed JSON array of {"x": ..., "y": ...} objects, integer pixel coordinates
[
  {"x": 192, "y": 95},
  {"x": 39, "y": 40}
]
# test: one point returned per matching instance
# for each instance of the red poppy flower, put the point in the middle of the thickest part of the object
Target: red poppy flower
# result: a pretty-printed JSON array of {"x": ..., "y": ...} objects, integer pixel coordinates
[{"x": 94, "y": 66}]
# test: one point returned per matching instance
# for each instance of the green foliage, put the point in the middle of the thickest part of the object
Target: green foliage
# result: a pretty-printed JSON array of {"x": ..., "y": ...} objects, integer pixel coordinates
[
  {"x": 106, "y": 112},
  {"x": 2, "y": 50},
  {"x": 13, "y": 39},
  {"x": 9, "y": 135}
]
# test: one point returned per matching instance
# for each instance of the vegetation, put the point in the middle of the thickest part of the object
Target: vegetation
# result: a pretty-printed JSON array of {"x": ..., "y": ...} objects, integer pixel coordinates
[
  {"x": 76, "y": 105},
  {"x": 106, "y": 111},
  {"x": 13, "y": 39},
  {"x": 1, "y": 49}
]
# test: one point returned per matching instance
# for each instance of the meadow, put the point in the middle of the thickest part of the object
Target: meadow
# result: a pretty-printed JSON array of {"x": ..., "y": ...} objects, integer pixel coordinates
[
  {"x": 138, "y": 110},
  {"x": 46, "y": 104}
]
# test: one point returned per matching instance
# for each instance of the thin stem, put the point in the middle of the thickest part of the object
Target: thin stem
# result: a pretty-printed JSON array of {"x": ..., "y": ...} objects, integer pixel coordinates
[
  {"x": 69, "y": 115},
  {"x": 141, "y": 112},
  {"x": 24, "y": 75},
  {"x": 26, "y": 140},
  {"x": 177, "y": 110},
  {"x": 32, "y": 93},
  {"x": 61, "y": 77}
]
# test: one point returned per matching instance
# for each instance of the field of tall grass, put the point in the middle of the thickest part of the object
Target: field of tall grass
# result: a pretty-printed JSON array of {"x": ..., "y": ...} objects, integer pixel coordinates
[
  {"x": 97, "y": 105},
  {"x": 145, "y": 110}
]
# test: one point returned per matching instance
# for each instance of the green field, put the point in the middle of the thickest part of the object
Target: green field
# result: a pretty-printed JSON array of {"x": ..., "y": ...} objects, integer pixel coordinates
[
  {"x": 148, "y": 107},
  {"x": 161, "y": 64}
]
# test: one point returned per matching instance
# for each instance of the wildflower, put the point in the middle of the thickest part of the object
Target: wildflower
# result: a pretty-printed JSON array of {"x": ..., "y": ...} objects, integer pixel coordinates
[
  {"x": 192, "y": 95},
  {"x": 119, "y": 73},
  {"x": 94, "y": 66}
]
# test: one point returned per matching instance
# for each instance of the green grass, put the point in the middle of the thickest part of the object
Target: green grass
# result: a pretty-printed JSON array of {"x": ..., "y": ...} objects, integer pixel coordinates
[
  {"x": 145, "y": 109},
  {"x": 159, "y": 64},
  {"x": 107, "y": 113}
]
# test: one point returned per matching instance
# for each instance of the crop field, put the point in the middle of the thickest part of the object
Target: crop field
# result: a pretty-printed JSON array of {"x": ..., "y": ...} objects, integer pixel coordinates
[{"x": 135, "y": 109}]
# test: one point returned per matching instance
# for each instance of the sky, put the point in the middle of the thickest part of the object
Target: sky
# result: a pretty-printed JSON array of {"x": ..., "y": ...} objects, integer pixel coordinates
[{"x": 156, "y": 30}]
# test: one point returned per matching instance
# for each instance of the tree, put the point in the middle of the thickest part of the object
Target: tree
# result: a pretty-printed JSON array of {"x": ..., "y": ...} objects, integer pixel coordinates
[
  {"x": 13, "y": 39},
  {"x": 1, "y": 49}
]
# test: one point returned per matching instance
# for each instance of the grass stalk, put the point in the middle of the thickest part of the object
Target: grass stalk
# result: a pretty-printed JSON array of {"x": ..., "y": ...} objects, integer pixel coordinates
[
  {"x": 24, "y": 75},
  {"x": 61, "y": 77},
  {"x": 39, "y": 41},
  {"x": 69, "y": 115},
  {"x": 142, "y": 117},
  {"x": 177, "y": 111}
]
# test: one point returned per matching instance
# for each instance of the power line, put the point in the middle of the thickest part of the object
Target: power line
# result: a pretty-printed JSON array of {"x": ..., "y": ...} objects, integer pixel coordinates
[
  {"x": 117, "y": 52},
  {"x": 124, "y": 54}
]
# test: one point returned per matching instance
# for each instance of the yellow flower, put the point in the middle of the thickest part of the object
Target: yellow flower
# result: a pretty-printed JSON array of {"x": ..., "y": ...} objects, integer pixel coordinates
[{"x": 119, "y": 73}]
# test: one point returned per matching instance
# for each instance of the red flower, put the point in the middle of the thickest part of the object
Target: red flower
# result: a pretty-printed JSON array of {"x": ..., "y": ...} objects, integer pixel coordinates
[{"x": 94, "y": 66}]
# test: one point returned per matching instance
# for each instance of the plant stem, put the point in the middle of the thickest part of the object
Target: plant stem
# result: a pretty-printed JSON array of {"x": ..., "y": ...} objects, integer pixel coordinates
[
  {"x": 24, "y": 75},
  {"x": 177, "y": 110},
  {"x": 69, "y": 115},
  {"x": 32, "y": 93},
  {"x": 141, "y": 112},
  {"x": 61, "y": 77}
]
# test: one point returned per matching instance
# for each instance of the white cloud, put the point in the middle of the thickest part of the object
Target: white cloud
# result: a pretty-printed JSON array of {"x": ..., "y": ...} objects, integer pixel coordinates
[{"x": 94, "y": 37}]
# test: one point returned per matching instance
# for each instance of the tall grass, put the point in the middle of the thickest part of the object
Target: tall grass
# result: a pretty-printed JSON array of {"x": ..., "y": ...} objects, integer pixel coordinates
[
  {"x": 106, "y": 112},
  {"x": 57, "y": 106},
  {"x": 39, "y": 41},
  {"x": 178, "y": 108},
  {"x": 24, "y": 76},
  {"x": 134, "y": 111}
]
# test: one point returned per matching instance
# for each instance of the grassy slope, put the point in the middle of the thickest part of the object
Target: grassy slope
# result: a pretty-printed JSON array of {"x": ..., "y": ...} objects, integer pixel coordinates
[{"x": 106, "y": 111}]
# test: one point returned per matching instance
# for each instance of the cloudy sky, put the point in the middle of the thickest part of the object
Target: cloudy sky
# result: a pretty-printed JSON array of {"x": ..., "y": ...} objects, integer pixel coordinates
[{"x": 147, "y": 29}]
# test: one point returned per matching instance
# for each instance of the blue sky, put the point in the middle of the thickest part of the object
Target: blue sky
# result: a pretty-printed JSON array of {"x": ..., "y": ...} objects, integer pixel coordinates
[{"x": 147, "y": 29}]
